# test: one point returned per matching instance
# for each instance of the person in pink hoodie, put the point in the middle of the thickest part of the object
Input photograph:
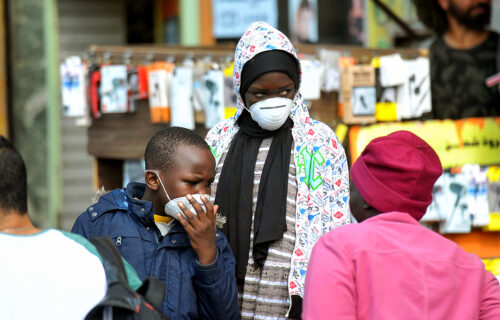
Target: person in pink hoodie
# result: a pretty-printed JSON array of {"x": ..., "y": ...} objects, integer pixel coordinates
[{"x": 388, "y": 266}]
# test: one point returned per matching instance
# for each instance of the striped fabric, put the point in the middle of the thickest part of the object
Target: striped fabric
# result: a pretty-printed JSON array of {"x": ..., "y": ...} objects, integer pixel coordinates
[{"x": 265, "y": 291}]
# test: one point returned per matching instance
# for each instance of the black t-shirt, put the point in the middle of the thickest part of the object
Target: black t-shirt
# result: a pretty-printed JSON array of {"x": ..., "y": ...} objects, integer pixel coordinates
[{"x": 458, "y": 80}]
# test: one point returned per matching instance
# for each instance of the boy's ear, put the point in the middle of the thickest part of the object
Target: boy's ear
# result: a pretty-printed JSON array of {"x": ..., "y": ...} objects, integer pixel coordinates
[{"x": 152, "y": 181}]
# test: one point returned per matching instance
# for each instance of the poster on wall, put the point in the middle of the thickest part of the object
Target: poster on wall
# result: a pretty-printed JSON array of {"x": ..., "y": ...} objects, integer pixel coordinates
[
  {"x": 380, "y": 28},
  {"x": 232, "y": 18},
  {"x": 303, "y": 20}
]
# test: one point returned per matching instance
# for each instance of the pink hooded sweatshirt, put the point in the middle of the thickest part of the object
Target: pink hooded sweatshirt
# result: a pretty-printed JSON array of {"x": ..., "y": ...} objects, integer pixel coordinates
[{"x": 391, "y": 267}]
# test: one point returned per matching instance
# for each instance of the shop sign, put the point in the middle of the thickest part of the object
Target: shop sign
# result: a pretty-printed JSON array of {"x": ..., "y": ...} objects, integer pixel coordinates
[{"x": 457, "y": 142}]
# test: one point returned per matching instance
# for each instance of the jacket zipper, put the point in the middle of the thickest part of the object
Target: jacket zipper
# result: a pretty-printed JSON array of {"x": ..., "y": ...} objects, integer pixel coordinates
[{"x": 119, "y": 241}]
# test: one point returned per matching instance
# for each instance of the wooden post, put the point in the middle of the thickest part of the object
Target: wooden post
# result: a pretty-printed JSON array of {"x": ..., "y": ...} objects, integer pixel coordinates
[
  {"x": 189, "y": 21},
  {"x": 207, "y": 37},
  {"x": 4, "y": 115},
  {"x": 51, "y": 46}
]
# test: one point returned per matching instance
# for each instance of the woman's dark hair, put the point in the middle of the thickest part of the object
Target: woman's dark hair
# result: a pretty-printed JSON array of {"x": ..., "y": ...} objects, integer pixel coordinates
[
  {"x": 13, "y": 185},
  {"x": 432, "y": 15}
]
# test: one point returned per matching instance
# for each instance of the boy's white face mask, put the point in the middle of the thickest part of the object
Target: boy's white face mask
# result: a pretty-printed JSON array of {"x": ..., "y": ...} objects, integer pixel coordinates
[
  {"x": 271, "y": 113},
  {"x": 171, "y": 207}
]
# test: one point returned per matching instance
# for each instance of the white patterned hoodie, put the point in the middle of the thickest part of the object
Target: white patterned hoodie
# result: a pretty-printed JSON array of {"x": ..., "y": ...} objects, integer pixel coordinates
[{"x": 322, "y": 202}]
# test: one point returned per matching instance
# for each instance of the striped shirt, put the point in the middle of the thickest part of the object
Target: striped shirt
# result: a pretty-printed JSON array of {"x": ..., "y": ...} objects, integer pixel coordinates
[{"x": 264, "y": 294}]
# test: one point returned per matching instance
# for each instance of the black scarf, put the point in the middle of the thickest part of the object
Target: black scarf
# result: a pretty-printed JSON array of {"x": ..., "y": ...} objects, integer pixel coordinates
[{"x": 235, "y": 190}]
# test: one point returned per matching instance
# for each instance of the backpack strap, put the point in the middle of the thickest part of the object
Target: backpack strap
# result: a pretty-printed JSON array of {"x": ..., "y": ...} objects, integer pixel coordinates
[
  {"x": 111, "y": 260},
  {"x": 153, "y": 290}
]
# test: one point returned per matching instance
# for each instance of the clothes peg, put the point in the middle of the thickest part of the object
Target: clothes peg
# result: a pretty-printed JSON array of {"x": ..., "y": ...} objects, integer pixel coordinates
[
  {"x": 170, "y": 59},
  {"x": 106, "y": 57},
  {"x": 149, "y": 58},
  {"x": 127, "y": 57}
]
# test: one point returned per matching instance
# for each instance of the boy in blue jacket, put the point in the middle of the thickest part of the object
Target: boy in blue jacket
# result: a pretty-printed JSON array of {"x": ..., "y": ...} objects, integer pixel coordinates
[{"x": 185, "y": 251}]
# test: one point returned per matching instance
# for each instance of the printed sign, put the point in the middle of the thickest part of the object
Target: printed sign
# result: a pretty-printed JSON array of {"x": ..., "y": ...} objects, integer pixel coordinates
[
  {"x": 232, "y": 18},
  {"x": 459, "y": 142}
]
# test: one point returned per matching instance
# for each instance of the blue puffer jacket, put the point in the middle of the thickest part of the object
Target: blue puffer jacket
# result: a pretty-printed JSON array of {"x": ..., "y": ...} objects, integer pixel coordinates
[{"x": 193, "y": 291}]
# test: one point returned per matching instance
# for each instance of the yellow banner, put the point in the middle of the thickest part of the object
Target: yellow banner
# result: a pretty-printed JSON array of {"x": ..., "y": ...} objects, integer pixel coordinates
[
  {"x": 493, "y": 265},
  {"x": 457, "y": 142}
]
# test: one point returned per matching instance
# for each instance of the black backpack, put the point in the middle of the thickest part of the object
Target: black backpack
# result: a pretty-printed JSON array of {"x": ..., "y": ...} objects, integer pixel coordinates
[{"x": 121, "y": 301}]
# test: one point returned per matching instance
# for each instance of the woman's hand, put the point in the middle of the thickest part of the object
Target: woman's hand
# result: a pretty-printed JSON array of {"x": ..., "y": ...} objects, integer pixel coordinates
[{"x": 200, "y": 228}]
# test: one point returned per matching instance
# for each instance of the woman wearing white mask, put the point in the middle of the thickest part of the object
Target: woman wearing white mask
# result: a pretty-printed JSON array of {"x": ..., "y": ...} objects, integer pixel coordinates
[{"x": 281, "y": 177}]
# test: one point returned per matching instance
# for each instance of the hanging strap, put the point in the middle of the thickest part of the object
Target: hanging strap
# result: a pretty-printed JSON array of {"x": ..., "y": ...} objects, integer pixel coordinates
[{"x": 111, "y": 260}]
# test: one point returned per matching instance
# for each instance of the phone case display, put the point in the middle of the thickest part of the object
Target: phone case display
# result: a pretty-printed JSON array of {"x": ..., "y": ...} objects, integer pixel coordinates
[
  {"x": 358, "y": 94},
  {"x": 331, "y": 76},
  {"x": 114, "y": 91},
  {"x": 477, "y": 194},
  {"x": 159, "y": 77},
  {"x": 116, "y": 84},
  {"x": 460, "y": 200},
  {"x": 457, "y": 217},
  {"x": 493, "y": 185},
  {"x": 181, "y": 96},
  {"x": 405, "y": 85},
  {"x": 310, "y": 85},
  {"x": 212, "y": 88},
  {"x": 73, "y": 73}
]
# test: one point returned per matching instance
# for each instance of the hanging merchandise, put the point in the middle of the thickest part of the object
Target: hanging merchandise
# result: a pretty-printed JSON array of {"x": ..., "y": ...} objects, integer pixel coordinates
[
  {"x": 331, "y": 76},
  {"x": 114, "y": 92},
  {"x": 415, "y": 95},
  {"x": 230, "y": 96},
  {"x": 142, "y": 75},
  {"x": 458, "y": 219},
  {"x": 159, "y": 77},
  {"x": 213, "y": 97},
  {"x": 358, "y": 94},
  {"x": 436, "y": 211},
  {"x": 132, "y": 88},
  {"x": 477, "y": 194},
  {"x": 73, "y": 73},
  {"x": 310, "y": 84},
  {"x": 493, "y": 174},
  {"x": 181, "y": 91},
  {"x": 95, "y": 82},
  {"x": 199, "y": 69},
  {"x": 405, "y": 83}
]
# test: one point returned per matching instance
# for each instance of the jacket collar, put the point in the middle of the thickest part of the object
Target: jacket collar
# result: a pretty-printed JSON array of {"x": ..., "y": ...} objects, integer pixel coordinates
[
  {"x": 142, "y": 209},
  {"x": 134, "y": 192}
]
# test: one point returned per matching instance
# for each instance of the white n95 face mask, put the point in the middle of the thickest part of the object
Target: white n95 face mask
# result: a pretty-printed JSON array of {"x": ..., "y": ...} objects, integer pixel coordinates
[
  {"x": 271, "y": 113},
  {"x": 171, "y": 207}
]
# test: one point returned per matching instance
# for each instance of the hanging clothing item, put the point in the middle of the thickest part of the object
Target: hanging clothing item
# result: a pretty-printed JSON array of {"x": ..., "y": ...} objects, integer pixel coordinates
[{"x": 322, "y": 173}]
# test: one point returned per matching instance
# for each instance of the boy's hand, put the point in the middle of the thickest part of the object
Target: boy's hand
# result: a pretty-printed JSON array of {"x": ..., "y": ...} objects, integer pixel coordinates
[{"x": 200, "y": 228}]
